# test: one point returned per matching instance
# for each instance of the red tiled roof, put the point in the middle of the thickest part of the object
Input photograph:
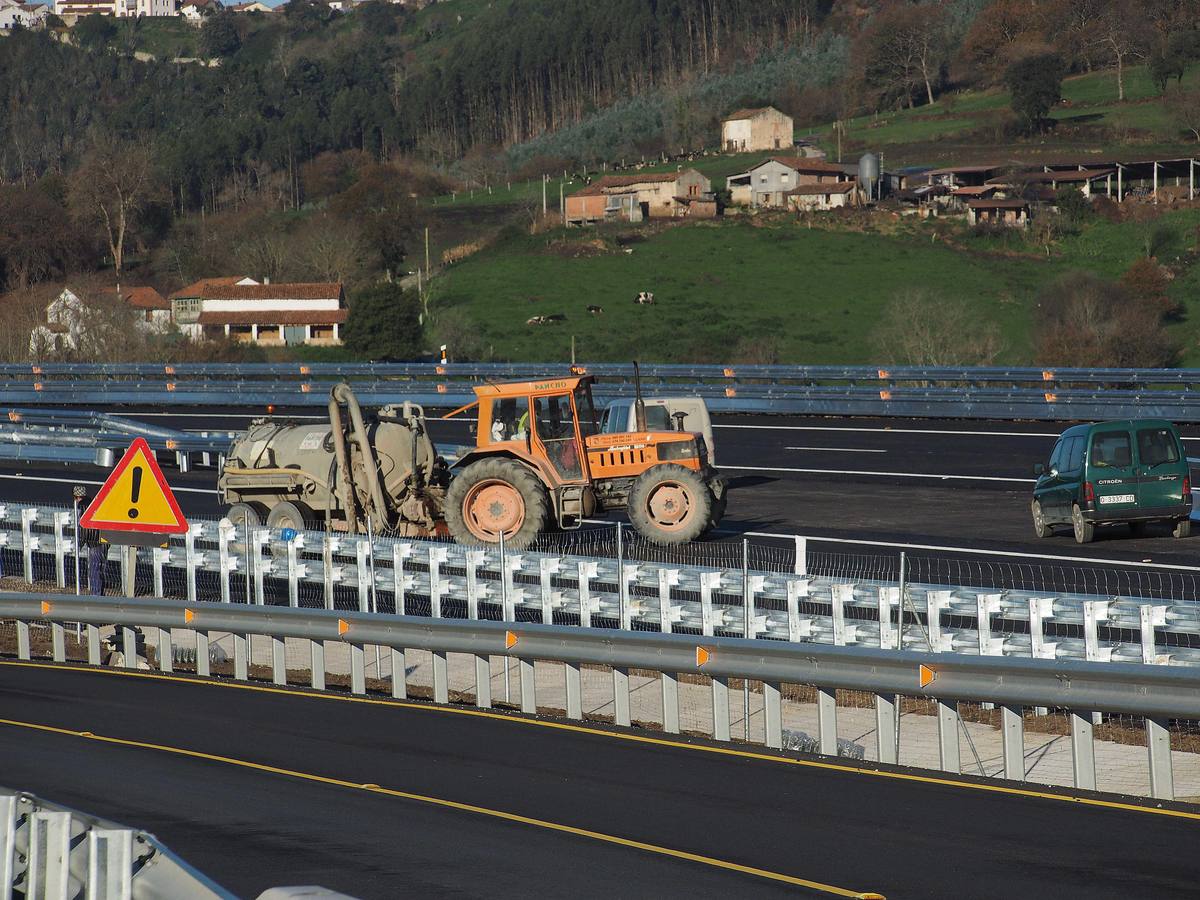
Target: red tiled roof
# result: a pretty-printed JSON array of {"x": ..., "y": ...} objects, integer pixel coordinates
[
  {"x": 300, "y": 291},
  {"x": 998, "y": 204},
  {"x": 145, "y": 298},
  {"x": 197, "y": 288},
  {"x": 275, "y": 317},
  {"x": 952, "y": 170},
  {"x": 804, "y": 164},
  {"x": 973, "y": 191},
  {"x": 835, "y": 187}
]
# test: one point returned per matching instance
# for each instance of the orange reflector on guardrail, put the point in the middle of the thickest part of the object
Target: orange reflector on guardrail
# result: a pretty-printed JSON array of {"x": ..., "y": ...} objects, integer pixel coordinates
[
  {"x": 729, "y": 373},
  {"x": 884, "y": 373},
  {"x": 306, "y": 388},
  {"x": 885, "y": 395},
  {"x": 578, "y": 370},
  {"x": 730, "y": 392},
  {"x": 510, "y": 640},
  {"x": 1047, "y": 375},
  {"x": 441, "y": 389},
  {"x": 926, "y": 675},
  {"x": 304, "y": 370},
  {"x": 172, "y": 444},
  {"x": 168, "y": 370},
  {"x": 343, "y": 626},
  {"x": 188, "y": 615},
  {"x": 701, "y": 656},
  {"x": 37, "y": 385},
  {"x": 171, "y": 386},
  {"x": 46, "y": 607},
  {"x": 1051, "y": 398},
  {"x": 14, "y": 416},
  {"x": 37, "y": 370},
  {"x": 441, "y": 370}
]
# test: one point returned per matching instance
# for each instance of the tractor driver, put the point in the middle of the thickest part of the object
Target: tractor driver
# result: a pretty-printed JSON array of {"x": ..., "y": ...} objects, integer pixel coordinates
[{"x": 506, "y": 426}]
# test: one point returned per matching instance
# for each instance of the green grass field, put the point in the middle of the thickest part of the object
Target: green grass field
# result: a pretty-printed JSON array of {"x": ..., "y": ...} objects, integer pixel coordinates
[{"x": 736, "y": 291}]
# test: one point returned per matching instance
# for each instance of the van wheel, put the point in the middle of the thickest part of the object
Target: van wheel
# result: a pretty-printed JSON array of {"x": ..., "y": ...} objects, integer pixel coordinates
[
  {"x": 1182, "y": 529},
  {"x": 1084, "y": 531},
  {"x": 1040, "y": 528}
]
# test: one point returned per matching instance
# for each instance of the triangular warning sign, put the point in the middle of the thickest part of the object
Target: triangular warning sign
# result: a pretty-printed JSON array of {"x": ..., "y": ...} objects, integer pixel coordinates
[{"x": 136, "y": 497}]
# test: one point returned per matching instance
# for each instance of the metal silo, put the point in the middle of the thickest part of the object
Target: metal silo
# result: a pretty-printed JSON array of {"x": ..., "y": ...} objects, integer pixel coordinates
[{"x": 868, "y": 175}]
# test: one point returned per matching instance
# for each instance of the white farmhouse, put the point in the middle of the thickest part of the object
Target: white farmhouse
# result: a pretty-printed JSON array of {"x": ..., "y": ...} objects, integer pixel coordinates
[{"x": 241, "y": 309}]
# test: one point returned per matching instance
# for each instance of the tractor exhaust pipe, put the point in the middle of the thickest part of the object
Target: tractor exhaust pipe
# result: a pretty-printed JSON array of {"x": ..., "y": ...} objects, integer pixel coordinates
[{"x": 639, "y": 405}]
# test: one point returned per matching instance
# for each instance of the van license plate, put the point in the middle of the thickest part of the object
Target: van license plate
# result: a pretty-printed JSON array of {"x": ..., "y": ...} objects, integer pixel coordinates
[{"x": 1116, "y": 498}]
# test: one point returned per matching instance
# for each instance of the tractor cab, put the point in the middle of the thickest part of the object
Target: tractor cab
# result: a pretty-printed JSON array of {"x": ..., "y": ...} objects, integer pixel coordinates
[{"x": 548, "y": 430}]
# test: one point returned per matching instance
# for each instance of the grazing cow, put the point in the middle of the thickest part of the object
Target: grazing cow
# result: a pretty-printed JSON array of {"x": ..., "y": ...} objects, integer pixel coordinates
[
  {"x": 644, "y": 298},
  {"x": 545, "y": 320},
  {"x": 595, "y": 310}
]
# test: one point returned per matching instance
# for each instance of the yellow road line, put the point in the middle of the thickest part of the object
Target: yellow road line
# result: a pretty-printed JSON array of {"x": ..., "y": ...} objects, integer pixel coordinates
[
  {"x": 944, "y": 781},
  {"x": 462, "y": 807}
]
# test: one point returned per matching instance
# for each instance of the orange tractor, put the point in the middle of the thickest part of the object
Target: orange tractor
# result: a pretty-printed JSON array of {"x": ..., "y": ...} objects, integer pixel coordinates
[{"x": 539, "y": 462}]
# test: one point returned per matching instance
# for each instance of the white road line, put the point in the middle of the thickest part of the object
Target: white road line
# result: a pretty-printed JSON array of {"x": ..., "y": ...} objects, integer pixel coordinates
[
  {"x": 189, "y": 490},
  {"x": 881, "y": 474},
  {"x": 836, "y": 449},
  {"x": 973, "y": 551},
  {"x": 1037, "y": 434}
]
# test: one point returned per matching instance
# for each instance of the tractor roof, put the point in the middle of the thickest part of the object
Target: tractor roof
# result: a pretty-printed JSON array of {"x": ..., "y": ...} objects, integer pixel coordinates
[{"x": 550, "y": 385}]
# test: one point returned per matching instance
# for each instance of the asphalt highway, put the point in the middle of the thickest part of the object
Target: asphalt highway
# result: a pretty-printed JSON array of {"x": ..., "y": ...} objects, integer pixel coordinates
[
  {"x": 260, "y": 787},
  {"x": 962, "y": 484}
]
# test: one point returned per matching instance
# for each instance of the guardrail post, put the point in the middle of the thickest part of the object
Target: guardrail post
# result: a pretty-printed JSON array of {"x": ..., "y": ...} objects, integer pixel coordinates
[
  {"x": 166, "y": 650},
  {"x": 8, "y": 843},
  {"x": 797, "y": 589},
  {"x": 1095, "y": 612},
  {"x": 840, "y": 595},
  {"x": 226, "y": 561},
  {"x": 935, "y": 602},
  {"x": 666, "y": 579},
  {"x": 328, "y": 545},
  {"x": 191, "y": 561},
  {"x": 547, "y": 566},
  {"x": 527, "y": 677},
  {"x": 60, "y": 548},
  {"x": 316, "y": 651},
  {"x": 1158, "y": 743},
  {"x": 259, "y": 562},
  {"x": 801, "y": 565},
  {"x": 1012, "y": 737},
  {"x": 472, "y": 559},
  {"x": 400, "y": 552},
  {"x": 109, "y": 863},
  {"x": 889, "y": 633},
  {"x": 93, "y": 643},
  {"x": 772, "y": 715},
  {"x": 295, "y": 570},
  {"x": 1151, "y": 616},
  {"x": 709, "y": 582},
  {"x": 887, "y": 708},
  {"x": 437, "y": 556},
  {"x": 827, "y": 742},
  {"x": 621, "y": 696},
  {"x": 129, "y": 571},
  {"x": 241, "y": 657},
  {"x": 949, "y": 755},
  {"x": 574, "y": 691},
  {"x": 720, "y": 707},
  {"x": 278, "y": 660},
  {"x": 58, "y": 642},
  {"x": 587, "y": 571},
  {"x": 47, "y": 873},
  {"x": 626, "y": 573},
  {"x": 399, "y": 674},
  {"x": 358, "y": 671},
  {"x": 986, "y": 605},
  {"x": 28, "y": 541},
  {"x": 1083, "y": 750},
  {"x": 203, "y": 660},
  {"x": 670, "y": 702},
  {"x": 159, "y": 556},
  {"x": 362, "y": 573},
  {"x": 128, "y": 646},
  {"x": 22, "y": 639}
]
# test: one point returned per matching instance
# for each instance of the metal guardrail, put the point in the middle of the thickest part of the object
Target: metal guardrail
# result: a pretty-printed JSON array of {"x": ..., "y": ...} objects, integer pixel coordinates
[
  {"x": 950, "y": 392},
  {"x": 216, "y": 561},
  {"x": 52, "y": 852},
  {"x": 1154, "y": 692}
]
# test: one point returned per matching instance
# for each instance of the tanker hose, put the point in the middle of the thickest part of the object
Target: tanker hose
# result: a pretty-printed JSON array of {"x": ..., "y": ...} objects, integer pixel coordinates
[
  {"x": 341, "y": 457},
  {"x": 342, "y": 392}
]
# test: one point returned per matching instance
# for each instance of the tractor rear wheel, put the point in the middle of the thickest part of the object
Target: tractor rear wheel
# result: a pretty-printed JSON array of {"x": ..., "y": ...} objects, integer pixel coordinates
[
  {"x": 497, "y": 496},
  {"x": 669, "y": 504}
]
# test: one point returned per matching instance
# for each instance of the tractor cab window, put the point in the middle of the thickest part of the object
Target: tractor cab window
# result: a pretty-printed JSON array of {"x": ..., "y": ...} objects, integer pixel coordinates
[
  {"x": 510, "y": 420},
  {"x": 586, "y": 410},
  {"x": 556, "y": 431}
]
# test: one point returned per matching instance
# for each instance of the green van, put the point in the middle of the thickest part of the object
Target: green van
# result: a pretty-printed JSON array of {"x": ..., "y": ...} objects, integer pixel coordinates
[{"x": 1110, "y": 473}]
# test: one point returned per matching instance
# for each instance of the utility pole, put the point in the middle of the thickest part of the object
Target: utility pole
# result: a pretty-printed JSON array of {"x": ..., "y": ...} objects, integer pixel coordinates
[
  {"x": 545, "y": 178},
  {"x": 426, "y": 252},
  {"x": 562, "y": 204}
]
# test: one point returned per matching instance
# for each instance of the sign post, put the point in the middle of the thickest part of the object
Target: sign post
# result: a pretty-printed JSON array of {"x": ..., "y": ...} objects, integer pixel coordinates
[{"x": 135, "y": 508}]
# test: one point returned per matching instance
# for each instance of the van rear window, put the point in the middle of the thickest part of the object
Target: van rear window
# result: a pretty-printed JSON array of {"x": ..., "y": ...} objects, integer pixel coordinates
[
  {"x": 1111, "y": 448},
  {"x": 1157, "y": 446}
]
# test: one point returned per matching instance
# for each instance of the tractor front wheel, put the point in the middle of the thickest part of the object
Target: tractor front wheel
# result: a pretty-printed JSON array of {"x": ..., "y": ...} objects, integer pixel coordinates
[
  {"x": 669, "y": 504},
  {"x": 491, "y": 497}
]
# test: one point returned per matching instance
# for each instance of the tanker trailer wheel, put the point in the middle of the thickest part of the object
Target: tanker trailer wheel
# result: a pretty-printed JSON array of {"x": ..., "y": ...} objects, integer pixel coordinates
[
  {"x": 249, "y": 515},
  {"x": 491, "y": 497},
  {"x": 290, "y": 515},
  {"x": 669, "y": 504},
  {"x": 720, "y": 500}
]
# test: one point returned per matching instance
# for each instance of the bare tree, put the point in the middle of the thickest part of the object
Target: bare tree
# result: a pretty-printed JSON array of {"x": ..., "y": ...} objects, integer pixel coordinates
[
  {"x": 922, "y": 329},
  {"x": 1184, "y": 107},
  {"x": 115, "y": 182},
  {"x": 1121, "y": 33}
]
